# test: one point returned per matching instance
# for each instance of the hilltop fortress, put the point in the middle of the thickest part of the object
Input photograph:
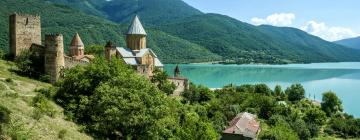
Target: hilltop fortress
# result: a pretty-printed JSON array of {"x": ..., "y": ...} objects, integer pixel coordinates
[{"x": 25, "y": 34}]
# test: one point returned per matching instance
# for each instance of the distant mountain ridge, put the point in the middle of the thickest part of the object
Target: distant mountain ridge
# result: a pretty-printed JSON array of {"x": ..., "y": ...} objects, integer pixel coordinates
[
  {"x": 179, "y": 33},
  {"x": 350, "y": 42}
]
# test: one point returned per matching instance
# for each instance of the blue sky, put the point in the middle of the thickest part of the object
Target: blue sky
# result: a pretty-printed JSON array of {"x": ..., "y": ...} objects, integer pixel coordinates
[{"x": 328, "y": 19}]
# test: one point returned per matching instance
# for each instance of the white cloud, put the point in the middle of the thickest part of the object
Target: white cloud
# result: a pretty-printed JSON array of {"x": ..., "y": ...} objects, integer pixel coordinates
[
  {"x": 277, "y": 19},
  {"x": 329, "y": 33}
]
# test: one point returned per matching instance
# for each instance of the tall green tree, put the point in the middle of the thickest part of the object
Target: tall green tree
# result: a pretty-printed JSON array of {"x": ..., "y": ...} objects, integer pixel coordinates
[
  {"x": 331, "y": 104},
  {"x": 295, "y": 92},
  {"x": 160, "y": 79},
  {"x": 30, "y": 64},
  {"x": 315, "y": 116},
  {"x": 114, "y": 102}
]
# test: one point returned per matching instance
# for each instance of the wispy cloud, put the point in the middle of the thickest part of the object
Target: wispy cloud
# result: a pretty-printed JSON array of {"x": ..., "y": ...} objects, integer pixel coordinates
[
  {"x": 277, "y": 19},
  {"x": 330, "y": 33},
  {"x": 320, "y": 29}
]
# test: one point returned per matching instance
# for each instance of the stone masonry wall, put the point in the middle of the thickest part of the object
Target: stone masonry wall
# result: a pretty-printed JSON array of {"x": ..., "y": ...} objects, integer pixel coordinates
[
  {"x": 54, "y": 56},
  {"x": 25, "y": 30},
  {"x": 72, "y": 62},
  {"x": 181, "y": 85}
]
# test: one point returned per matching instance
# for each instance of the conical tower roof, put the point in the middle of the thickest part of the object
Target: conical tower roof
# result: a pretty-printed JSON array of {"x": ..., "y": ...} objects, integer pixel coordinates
[
  {"x": 136, "y": 27},
  {"x": 76, "y": 41}
]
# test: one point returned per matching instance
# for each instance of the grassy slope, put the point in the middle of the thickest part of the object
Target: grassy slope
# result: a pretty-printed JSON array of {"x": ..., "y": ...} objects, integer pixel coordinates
[{"x": 17, "y": 96}]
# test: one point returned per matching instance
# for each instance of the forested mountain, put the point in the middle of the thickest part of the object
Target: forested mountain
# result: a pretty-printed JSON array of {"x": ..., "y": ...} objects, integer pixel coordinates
[
  {"x": 231, "y": 39},
  {"x": 351, "y": 42},
  {"x": 62, "y": 19},
  {"x": 121, "y": 11},
  {"x": 177, "y": 32}
]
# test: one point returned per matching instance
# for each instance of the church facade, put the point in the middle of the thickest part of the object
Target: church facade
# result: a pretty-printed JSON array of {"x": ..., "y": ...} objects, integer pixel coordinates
[{"x": 136, "y": 54}]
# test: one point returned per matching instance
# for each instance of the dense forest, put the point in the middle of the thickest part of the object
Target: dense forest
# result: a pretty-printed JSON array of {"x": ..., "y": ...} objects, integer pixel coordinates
[{"x": 111, "y": 101}]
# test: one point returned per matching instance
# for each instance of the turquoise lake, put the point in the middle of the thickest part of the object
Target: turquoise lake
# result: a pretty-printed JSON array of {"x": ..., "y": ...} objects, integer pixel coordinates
[{"x": 317, "y": 78}]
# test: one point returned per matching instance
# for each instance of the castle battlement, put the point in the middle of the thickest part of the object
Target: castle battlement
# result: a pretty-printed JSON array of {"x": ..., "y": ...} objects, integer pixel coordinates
[
  {"x": 26, "y": 15},
  {"x": 74, "y": 60},
  {"x": 53, "y": 36}
]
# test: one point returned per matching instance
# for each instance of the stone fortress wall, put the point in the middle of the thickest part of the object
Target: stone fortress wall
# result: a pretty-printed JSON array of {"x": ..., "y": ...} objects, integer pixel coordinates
[
  {"x": 72, "y": 62},
  {"x": 25, "y": 30},
  {"x": 25, "y": 34},
  {"x": 54, "y": 56}
]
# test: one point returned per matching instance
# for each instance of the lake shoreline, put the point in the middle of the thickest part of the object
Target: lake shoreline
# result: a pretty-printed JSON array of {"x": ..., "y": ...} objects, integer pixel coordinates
[{"x": 342, "y": 78}]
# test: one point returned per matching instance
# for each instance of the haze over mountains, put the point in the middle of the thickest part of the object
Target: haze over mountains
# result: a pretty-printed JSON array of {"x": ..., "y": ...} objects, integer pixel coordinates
[
  {"x": 179, "y": 33},
  {"x": 350, "y": 42}
]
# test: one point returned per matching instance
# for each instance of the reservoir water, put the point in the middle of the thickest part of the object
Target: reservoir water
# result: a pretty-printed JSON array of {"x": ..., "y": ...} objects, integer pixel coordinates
[{"x": 317, "y": 78}]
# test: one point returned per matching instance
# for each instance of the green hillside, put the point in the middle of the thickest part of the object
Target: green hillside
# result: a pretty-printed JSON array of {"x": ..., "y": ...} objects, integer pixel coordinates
[
  {"x": 233, "y": 39},
  {"x": 351, "y": 42},
  {"x": 16, "y": 95},
  {"x": 121, "y": 11},
  {"x": 95, "y": 30},
  {"x": 177, "y": 32},
  {"x": 309, "y": 45}
]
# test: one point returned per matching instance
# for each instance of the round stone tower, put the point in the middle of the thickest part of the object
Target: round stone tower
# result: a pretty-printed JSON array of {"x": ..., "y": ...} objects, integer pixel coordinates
[{"x": 54, "y": 56}]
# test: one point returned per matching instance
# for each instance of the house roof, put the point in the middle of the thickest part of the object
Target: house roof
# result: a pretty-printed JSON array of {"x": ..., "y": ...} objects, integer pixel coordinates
[
  {"x": 244, "y": 124},
  {"x": 136, "y": 27},
  {"x": 76, "y": 41}
]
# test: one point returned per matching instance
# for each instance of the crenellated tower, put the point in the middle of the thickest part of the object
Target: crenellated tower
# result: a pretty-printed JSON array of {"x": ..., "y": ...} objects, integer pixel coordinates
[
  {"x": 24, "y": 31},
  {"x": 77, "y": 47},
  {"x": 54, "y": 56},
  {"x": 136, "y": 35}
]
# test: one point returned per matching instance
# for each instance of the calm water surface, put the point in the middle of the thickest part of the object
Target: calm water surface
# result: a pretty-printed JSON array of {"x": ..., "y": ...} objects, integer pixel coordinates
[{"x": 317, "y": 78}]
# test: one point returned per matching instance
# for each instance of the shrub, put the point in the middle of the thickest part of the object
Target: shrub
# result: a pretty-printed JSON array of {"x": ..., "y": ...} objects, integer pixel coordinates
[
  {"x": 29, "y": 64},
  {"x": 331, "y": 104},
  {"x": 279, "y": 132},
  {"x": 262, "y": 88},
  {"x": 295, "y": 92},
  {"x": 316, "y": 116},
  {"x": 4, "y": 115},
  {"x": 301, "y": 129},
  {"x": 9, "y": 80},
  {"x": 2, "y": 53},
  {"x": 62, "y": 134},
  {"x": 246, "y": 88},
  {"x": 43, "y": 106}
]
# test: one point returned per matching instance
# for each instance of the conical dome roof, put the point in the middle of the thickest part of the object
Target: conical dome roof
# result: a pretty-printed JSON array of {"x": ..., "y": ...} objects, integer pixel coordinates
[
  {"x": 136, "y": 27},
  {"x": 76, "y": 41}
]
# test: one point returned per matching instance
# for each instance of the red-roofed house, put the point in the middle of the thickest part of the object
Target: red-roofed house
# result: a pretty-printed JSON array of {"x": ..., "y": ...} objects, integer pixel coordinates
[{"x": 243, "y": 127}]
